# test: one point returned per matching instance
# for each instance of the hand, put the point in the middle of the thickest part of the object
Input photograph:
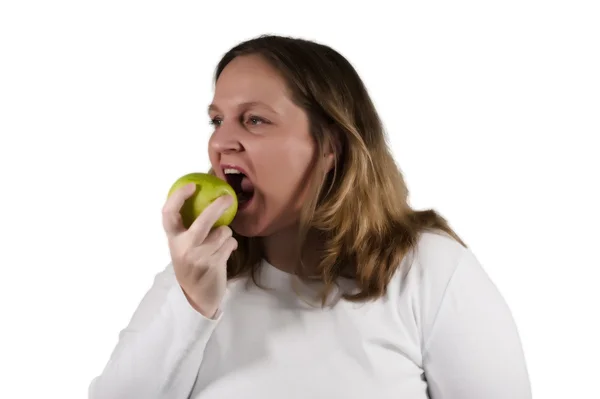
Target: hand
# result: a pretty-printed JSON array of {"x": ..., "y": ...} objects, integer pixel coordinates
[{"x": 200, "y": 253}]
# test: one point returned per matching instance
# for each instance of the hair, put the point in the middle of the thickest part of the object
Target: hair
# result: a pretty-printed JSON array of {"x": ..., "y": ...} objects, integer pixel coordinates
[{"x": 365, "y": 180}]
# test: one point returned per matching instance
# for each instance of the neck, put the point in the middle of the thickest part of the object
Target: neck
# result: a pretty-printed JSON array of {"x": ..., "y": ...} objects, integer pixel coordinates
[{"x": 281, "y": 250}]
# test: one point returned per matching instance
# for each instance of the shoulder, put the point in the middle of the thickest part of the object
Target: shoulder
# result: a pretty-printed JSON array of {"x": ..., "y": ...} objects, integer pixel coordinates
[
  {"x": 464, "y": 324},
  {"x": 439, "y": 261},
  {"x": 436, "y": 270},
  {"x": 434, "y": 259}
]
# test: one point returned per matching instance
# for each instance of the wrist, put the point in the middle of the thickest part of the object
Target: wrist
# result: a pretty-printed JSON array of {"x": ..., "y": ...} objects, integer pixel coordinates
[{"x": 200, "y": 307}]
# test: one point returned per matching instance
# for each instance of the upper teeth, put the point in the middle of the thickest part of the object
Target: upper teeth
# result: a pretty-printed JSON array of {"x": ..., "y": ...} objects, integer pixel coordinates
[{"x": 232, "y": 172}]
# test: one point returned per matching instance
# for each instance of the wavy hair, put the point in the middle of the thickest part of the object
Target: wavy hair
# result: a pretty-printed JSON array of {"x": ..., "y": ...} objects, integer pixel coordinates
[{"x": 360, "y": 208}]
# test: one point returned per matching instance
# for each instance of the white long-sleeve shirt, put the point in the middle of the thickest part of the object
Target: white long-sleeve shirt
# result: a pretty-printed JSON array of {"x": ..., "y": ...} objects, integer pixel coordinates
[{"x": 441, "y": 331}]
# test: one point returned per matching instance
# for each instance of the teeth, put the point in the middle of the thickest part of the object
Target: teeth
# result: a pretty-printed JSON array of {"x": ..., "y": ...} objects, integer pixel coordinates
[{"x": 232, "y": 172}]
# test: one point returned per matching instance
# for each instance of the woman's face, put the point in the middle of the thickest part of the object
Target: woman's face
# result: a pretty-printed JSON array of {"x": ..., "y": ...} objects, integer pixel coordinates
[{"x": 261, "y": 144}]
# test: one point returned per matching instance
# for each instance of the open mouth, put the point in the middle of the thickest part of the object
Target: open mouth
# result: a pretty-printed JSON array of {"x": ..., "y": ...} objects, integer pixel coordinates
[{"x": 241, "y": 184}]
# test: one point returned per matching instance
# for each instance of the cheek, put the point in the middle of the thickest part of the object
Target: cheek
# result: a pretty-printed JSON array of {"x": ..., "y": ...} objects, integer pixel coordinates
[{"x": 288, "y": 171}]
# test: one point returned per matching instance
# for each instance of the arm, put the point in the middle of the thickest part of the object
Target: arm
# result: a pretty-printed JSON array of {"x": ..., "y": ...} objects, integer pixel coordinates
[
  {"x": 473, "y": 350},
  {"x": 159, "y": 353}
]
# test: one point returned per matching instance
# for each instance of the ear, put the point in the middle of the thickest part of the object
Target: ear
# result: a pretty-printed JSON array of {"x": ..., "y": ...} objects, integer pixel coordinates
[
  {"x": 332, "y": 150},
  {"x": 329, "y": 162}
]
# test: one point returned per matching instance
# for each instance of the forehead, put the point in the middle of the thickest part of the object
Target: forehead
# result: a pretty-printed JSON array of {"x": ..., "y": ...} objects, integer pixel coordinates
[{"x": 249, "y": 78}]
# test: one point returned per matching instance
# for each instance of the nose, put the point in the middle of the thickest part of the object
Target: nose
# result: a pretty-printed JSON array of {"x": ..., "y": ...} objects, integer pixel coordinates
[{"x": 225, "y": 140}]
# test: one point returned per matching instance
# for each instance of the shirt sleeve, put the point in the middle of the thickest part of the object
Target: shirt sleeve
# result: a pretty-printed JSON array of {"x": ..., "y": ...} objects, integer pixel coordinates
[
  {"x": 159, "y": 352},
  {"x": 473, "y": 349}
]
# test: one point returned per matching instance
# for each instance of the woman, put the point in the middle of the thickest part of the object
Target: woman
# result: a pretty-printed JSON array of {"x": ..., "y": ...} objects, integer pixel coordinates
[{"x": 327, "y": 284}]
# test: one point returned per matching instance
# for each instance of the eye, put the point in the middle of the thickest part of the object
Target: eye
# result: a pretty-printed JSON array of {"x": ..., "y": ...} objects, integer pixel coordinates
[
  {"x": 216, "y": 122},
  {"x": 256, "y": 120}
]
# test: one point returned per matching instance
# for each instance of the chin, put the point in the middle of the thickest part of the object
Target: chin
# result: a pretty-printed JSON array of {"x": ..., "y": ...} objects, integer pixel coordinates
[
  {"x": 249, "y": 226},
  {"x": 245, "y": 227}
]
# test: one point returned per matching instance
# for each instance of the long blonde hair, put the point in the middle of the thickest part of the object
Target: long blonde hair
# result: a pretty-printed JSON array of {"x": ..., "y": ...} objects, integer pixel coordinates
[{"x": 360, "y": 208}]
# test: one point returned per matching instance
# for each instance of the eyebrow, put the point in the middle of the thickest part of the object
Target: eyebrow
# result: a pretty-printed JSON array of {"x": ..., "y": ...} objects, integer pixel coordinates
[{"x": 248, "y": 104}]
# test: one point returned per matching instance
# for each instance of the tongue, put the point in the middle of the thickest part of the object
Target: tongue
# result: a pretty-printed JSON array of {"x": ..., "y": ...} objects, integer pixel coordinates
[{"x": 247, "y": 185}]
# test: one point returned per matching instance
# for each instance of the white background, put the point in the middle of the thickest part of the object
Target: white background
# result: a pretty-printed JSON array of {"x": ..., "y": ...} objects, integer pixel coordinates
[{"x": 492, "y": 108}]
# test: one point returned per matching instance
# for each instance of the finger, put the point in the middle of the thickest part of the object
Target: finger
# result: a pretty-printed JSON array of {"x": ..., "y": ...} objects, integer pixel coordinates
[
  {"x": 213, "y": 242},
  {"x": 222, "y": 255},
  {"x": 203, "y": 224},
  {"x": 171, "y": 216}
]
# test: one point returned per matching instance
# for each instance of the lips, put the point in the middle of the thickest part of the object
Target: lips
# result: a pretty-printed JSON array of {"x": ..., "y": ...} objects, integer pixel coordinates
[{"x": 239, "y": 181}]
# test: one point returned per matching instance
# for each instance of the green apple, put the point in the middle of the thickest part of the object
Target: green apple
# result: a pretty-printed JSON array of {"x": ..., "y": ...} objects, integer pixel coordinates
[{"x": 208, "y": 189}]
